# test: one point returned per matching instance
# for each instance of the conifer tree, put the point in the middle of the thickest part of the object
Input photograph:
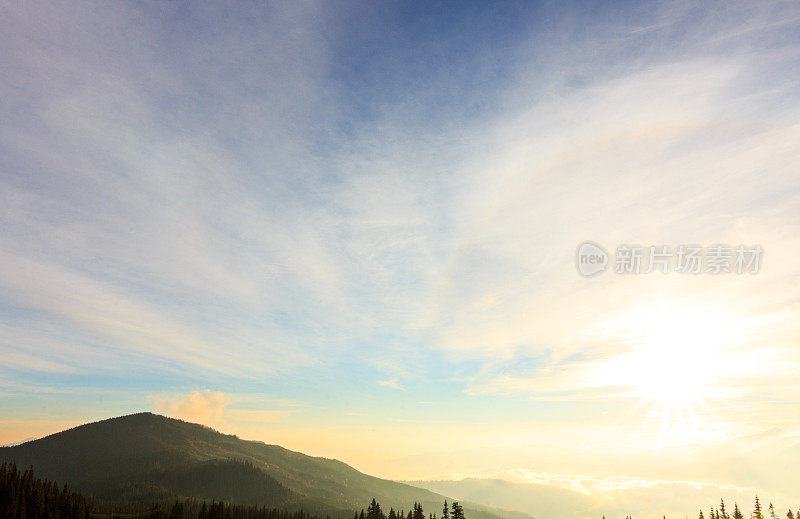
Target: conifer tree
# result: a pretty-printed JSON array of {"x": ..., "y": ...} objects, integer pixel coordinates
[
  {"x": 757, "y": 509},
  {"x": 22, "y": 495},
  {"x": 374, "y": 510}
]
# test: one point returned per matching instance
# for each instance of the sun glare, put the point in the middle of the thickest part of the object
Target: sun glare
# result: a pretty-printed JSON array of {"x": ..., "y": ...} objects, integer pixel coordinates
[{"x": 676, "y": 359}]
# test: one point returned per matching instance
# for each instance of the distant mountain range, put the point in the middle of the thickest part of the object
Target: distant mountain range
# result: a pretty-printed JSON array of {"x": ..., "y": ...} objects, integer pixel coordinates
[
  {"x": 547, "y": 500},
  {"x": 557, "y": 483},
  {"x": 19, "y": 442},
  {"x": 146, "y": 457}
]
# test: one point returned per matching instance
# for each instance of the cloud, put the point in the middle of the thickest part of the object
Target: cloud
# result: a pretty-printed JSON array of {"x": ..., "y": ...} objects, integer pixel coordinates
[
  {"x": 223, "y": 411},
  {"x": 393, "y": 383},
  {"x": 220, "y": 201},
  {"x": 557, "y": 495},
  {"x": 206, "y": 407},
  {"x": 604, "y": 487}
]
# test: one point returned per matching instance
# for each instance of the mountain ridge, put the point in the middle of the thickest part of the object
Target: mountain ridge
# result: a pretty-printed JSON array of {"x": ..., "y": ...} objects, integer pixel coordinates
[{"x": 137, "y": 457}]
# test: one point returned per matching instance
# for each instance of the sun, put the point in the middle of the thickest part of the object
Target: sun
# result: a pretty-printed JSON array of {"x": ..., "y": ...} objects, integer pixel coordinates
[
  {"x": 675, "y": 362},
  {"x": 676, "y": 356}
]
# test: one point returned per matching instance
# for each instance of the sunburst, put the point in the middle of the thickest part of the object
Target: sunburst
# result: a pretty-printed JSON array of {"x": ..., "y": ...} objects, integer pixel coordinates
[{"x": 677, "y": 362}]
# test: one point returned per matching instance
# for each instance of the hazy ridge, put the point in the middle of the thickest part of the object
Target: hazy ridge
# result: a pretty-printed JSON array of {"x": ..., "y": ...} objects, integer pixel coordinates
[{"x": 145, "y": 457}]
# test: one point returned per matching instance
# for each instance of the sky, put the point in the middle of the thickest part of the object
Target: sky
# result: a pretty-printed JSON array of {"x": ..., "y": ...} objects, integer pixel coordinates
[{"x": 350, "y": 229}]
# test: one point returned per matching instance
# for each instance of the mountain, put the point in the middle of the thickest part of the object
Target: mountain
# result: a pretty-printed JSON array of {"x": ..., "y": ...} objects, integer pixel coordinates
[
  {"x": 541, "y": 500},
  {"x": 145, "y": 457},
  {"x": 19, "y": 442},
  {"x": 549, "y": 481}
]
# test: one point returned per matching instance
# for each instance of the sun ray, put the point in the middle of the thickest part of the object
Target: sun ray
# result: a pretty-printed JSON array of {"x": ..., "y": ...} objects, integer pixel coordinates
[{"x": 676, "y": 363}]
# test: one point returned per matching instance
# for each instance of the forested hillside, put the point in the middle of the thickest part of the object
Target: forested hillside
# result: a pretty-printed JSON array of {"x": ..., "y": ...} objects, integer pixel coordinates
[
  {"x": 146, "y": 458},
  {"x": 24, "y": 496}
]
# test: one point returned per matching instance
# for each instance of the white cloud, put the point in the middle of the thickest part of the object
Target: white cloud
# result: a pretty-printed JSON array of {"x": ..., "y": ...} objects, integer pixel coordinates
[
  {"x": 393, "y": 383},
  {"x": 205, "y": 407},
  {"x": 223, "y": 411},
  {"x": 196, "y": 209}
]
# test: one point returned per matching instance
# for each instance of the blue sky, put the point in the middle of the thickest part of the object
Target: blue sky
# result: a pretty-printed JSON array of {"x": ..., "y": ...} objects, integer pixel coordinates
[{"x": 360, "y": 219}]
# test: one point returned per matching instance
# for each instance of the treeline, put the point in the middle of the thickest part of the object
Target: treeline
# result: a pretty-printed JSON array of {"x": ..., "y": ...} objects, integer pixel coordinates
[
  {"x": 191, "y": 509},
  {"x": 758, "y": 512},
  {"x": 228, "y": 480},
  {"x": 723, "y": 512},
  {"x": 23, "y": 496},
  {"x": 374, "y": 511}
]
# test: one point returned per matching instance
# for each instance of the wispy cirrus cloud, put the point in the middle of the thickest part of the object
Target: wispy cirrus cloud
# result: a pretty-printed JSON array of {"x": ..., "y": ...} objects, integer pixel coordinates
[
  {"x": 217, "y": 409},
  {"x": 295, "y": 201}
]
